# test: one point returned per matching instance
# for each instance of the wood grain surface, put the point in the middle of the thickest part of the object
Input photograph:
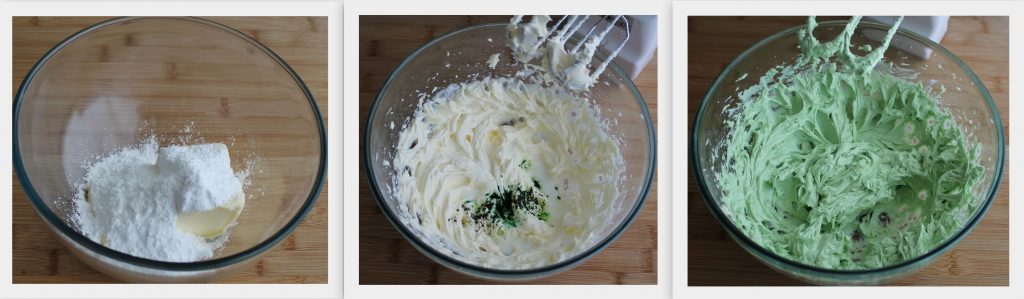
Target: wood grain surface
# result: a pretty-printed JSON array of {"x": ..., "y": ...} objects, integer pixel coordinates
[
  {"x": 301, "y": 258},
  {"x": 715, "y": 259},
  {"x": 386, "y": 258}
]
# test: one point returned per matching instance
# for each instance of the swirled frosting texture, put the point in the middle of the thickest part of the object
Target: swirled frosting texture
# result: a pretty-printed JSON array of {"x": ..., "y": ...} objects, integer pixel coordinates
[
  {"x": 838, "y": 164},
  {"x": 473, "y": 138}
]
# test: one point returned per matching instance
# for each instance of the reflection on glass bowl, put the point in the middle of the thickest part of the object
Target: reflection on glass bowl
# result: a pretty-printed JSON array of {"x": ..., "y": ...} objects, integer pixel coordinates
[
  {"x": 965, "y": 97},
  {"x": 460, "y": 56},
  {"x": 112, "y": 84}
]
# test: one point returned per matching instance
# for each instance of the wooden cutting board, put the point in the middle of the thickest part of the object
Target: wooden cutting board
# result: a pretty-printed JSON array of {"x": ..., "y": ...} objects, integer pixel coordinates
[
  {"x": 301, "y": 258},
  {"x": 715, "y": 259},
  {"x": 386, "y": 258}
]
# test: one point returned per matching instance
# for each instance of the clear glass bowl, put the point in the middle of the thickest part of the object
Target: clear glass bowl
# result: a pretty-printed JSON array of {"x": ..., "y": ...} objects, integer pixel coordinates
[
  {"x": 115, "y": 82},
  {"x": 965, "y": 97},
  {"x": 461, "y": 56}
]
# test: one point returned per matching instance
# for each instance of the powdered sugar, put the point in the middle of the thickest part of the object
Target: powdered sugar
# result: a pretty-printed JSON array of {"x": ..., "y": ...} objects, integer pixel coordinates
[
  {"x": 200, "y": 175},
  {"x": 129, "y": 201}
]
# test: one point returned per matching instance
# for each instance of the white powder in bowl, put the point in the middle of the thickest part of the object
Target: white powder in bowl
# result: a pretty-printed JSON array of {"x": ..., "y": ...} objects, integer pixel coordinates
[{"x": 130, "y": 200}]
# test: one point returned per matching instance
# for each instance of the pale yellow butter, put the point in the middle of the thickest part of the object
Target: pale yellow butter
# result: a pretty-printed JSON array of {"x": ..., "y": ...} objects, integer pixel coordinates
[{"x": 214, "y": 222}]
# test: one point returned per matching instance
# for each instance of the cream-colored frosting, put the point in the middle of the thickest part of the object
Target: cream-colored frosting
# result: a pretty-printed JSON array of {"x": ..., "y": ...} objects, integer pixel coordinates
[
  {"x": 527, "y": 39},
  {"x": 473, "y": 137},
  {"x": 492, "y": 62},
  {"x": 571, "y": 68}
]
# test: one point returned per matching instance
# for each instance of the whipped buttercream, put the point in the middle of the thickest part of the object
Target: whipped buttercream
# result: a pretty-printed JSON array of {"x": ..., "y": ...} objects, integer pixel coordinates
[
  {"x": 533, "y": 40},
  {"x": 838, "y": 164},
  {"x": 475, "y": 138}
]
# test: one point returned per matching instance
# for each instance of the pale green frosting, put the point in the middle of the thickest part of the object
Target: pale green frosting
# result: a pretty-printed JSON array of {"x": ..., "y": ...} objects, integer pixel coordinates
[{"x": 843, "y": 166}]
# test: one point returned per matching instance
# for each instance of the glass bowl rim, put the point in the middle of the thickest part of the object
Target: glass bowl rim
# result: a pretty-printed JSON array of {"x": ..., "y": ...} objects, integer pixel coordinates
[
  {"x": 741, "y": 237},
  {"x": 492, "y": 272},
  {"x": 104, "y": 251}
]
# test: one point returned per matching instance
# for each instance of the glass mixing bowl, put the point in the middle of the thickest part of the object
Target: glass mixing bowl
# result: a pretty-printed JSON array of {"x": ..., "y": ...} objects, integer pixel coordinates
[
  {"x": 462, "y": 56},
  {"x": 114, "y": 83},
  {"x": 965, "y": 97}
]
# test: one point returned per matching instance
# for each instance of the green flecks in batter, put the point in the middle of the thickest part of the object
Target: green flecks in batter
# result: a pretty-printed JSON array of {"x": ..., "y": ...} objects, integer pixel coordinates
[
  {"x": 525, "y": 164},
  {"x": 840, "y": 166},
  {"x": 508, "y": 206}
]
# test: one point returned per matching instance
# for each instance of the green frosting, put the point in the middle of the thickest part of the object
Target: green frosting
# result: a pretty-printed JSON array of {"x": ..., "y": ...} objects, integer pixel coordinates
[{"x": 837, "y": 164}]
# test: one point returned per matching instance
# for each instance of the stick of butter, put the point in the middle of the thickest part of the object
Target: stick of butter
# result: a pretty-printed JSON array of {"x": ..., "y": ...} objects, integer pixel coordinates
[{"x": 214, "y": 222}]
